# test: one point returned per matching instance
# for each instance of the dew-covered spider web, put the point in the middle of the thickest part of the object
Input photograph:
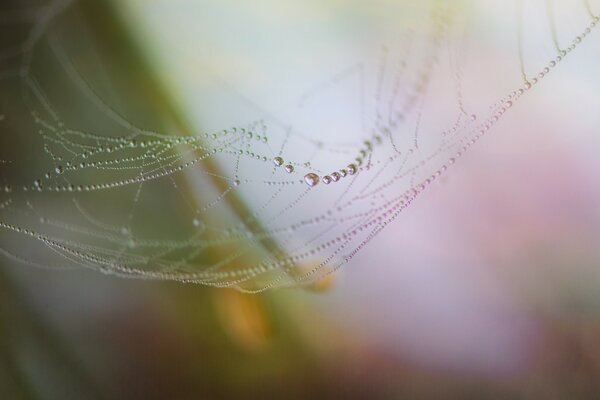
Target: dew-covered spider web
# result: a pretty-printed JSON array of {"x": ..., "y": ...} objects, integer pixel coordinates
[{"x": 273, "y": 151}]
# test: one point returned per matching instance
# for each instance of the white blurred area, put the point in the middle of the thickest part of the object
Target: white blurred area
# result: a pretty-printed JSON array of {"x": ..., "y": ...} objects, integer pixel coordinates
[{"x": 469, "y": 276}]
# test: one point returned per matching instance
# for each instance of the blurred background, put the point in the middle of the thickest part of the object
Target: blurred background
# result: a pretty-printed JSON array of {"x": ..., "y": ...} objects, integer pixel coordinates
[{"x": 487, "y": 286}]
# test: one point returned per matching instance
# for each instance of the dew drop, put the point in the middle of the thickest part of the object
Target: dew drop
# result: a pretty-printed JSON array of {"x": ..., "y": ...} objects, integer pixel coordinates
[
  {"x": 278, "y": 161},
  {"x": 351, "y": 169},
  {"x": 59, "y": 169},
  {"x": 311, "y": 179},
  {"x": 326, "y": 179},
  {"x": 289, "y": 168}
]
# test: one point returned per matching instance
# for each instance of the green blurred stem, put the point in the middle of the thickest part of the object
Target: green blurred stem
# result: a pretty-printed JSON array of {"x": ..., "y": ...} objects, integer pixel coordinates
[{"x": 111, "y": 32}]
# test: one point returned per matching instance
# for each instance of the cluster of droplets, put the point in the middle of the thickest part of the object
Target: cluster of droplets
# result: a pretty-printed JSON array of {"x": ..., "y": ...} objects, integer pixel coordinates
[{"x": 313, "y": 178}]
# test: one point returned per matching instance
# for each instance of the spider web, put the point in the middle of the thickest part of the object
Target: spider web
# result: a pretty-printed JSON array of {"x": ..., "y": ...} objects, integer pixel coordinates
[{"x": 99, "y": 171}]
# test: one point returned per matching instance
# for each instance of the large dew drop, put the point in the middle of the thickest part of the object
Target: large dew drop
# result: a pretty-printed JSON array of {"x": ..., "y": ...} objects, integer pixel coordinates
[
  {"x": 311, "y": 179},
  {"x": 278, "y": 161}
]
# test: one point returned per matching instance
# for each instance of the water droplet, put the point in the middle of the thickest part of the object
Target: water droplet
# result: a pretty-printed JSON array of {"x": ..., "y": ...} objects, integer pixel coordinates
[
  {"x": 311, "y": 179},
  {"x": 196, "y": 222},
  {"x": 59, "y": 169},
  {"x": 326, "y": 179},
  {"x": 278, "y": 161},
  {"x": 335, "y": 176},
  {"x": 351, "y": 169},
  {"x": 289, "y": 168}
]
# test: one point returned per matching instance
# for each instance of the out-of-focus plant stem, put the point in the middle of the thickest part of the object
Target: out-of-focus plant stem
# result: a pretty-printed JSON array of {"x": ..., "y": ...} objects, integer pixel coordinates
[
  {"x": 114, "y": 37},
  {"x": 112, "y": 34}
]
